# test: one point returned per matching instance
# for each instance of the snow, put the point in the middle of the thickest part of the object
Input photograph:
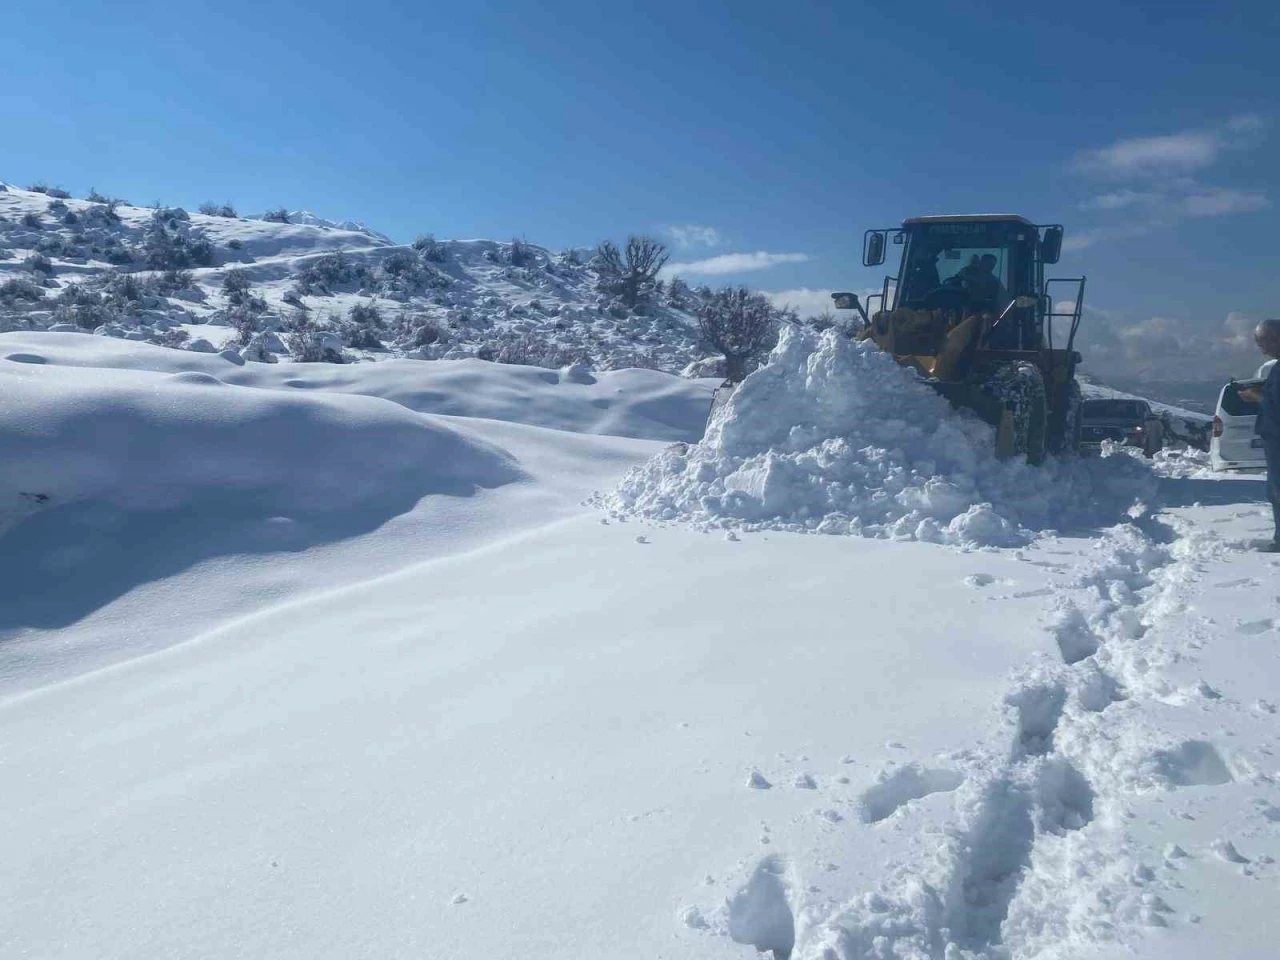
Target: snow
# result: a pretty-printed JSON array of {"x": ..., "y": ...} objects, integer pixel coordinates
[
  {"x": 832, "y": 436},
  {"x": 305, "y": 660},
  {"x": 546, "y": 311}
]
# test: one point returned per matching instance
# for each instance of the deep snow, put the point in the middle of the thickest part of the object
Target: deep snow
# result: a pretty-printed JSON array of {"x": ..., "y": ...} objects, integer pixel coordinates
[
  {"x": 499, "y": 722},
  {"x": 833, "y": 436}
]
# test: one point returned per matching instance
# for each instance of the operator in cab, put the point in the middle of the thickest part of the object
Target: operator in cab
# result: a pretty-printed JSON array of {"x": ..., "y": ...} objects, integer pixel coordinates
[
  {"x": 982, "y": 284},
  {"x": 1267, "y": 337}
]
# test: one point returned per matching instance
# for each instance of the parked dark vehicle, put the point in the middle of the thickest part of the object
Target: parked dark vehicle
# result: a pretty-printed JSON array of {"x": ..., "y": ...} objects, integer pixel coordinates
[{"x": 1130, "y": 422}]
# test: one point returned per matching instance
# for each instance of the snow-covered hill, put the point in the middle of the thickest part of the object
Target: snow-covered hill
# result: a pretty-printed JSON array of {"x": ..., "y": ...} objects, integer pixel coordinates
[{"x": 312, "y": 287}]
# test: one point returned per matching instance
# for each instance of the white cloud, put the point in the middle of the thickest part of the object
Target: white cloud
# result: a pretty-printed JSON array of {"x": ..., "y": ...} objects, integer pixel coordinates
[
  {"x": 1180, "y": 197},
  {"x": 1119, "y": 199},
  {"x": 694, "y": 235},
  {"x": 804, "y": 301},
  {"x": 1087, "y": 238},
  {"x": 1160, "y": 191},
  {"x": 1189, "y": 150},
  {"x": 808, "y": 302},
  {"x": 727, "y": 263},
  {"x": 1217, "y": 201},
  {"x": 1172, "y": 153}
]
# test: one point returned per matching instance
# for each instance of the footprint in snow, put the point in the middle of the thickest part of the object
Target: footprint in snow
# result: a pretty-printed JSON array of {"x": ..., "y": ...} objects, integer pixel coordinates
[
  {"x": 459, "y": 898},
  {"x": 642, "y": 539},
  {"x": 1227, "y": 851},
  {"x": 1254, "y": 627},
  {"x": 805, "y": 782},
  {"x": 692, "y": 918},
  {"x": 976, "y": 580},
  {"x": 757, "y": 781}
]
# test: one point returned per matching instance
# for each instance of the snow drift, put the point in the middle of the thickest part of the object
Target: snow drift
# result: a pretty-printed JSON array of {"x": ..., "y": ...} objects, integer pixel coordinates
[
  {"x": 645, "y": 404},
  {"x": 833, "y": 436},
  {"x": 111, "y": 478},
  {"x": 143, "y": 441}
]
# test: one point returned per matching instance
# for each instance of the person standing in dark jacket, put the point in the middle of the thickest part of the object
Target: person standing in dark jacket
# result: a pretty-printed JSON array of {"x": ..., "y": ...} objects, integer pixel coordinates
[{"x": 1267, "y": 336}]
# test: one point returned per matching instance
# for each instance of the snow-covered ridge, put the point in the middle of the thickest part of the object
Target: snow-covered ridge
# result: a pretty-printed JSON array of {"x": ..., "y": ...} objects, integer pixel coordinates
[{"x": 318, "y": 289}]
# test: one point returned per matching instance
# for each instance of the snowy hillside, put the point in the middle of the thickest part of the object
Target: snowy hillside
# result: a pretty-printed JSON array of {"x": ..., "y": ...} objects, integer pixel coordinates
[
  {"x": 310, "y": 288},
  {"x": 349, "y": 661}
]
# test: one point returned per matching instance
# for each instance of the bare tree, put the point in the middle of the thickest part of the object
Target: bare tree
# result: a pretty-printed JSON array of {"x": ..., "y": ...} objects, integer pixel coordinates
[
  {"x": 630, "y": 275},
  {"x": 740, "y": 324}
]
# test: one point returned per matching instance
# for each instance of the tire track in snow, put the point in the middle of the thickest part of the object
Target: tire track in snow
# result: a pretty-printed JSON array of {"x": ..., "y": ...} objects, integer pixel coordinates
[{"x": 1036, "y": 863}]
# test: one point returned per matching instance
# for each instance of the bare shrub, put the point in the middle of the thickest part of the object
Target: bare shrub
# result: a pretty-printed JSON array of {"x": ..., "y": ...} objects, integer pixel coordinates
[
  {"x": 520, "y": 254},
  {"x": 531, "y": 350},
  {"x": 328, "y": 271},
  {"x": 631, "y": 274},
  {"x": 822, "y": 321},
  {"x": 171, "y": 244},
  {"x": 39, "y": 263},
  {"x": 280, "y": 215},
  {"x": 430, "y": 249},
  {"x": 210, "y": 209},
  {"x": 20, "y": 288},
  {"x": 236, "y": 286},
  {"x": 739, "y": 324}
]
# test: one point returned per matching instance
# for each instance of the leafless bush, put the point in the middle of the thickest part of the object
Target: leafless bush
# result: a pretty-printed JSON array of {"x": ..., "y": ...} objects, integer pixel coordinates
[
  {"x": 39, "y": 263},
  {"x": 331, "y": 270},
  {"x": 630, "y": 275},
  {"x": 739, "y": 324},
  {"x": 236, "y": 286},
  {"x": 280, "y": 215},
  {"x": 210, "y": 209},
  {"x": 20, "y": 288},
  {"x": 520, "y": 254},
  {"x": 430, "y": 249},
  {"x": 56, "y": 192},
  {"x": 531, "y": 350}
]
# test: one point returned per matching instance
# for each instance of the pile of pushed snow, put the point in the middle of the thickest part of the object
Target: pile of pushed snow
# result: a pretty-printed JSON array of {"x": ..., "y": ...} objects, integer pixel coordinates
[
  {"x": 833, "y": 436},
  {"x": 138, "y": 441}
]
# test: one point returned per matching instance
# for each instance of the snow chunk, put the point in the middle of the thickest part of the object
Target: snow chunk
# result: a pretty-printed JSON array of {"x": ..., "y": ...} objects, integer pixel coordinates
[{"x": 833, "y": 436}]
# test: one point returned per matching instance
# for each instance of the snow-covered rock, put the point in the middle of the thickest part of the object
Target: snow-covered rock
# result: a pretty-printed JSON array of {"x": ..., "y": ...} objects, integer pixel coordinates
[{"x": 258, "y": 350}]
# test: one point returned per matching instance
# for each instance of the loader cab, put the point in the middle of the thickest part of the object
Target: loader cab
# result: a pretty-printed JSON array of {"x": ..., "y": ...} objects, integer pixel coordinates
[{"x": 972, "y": 264}]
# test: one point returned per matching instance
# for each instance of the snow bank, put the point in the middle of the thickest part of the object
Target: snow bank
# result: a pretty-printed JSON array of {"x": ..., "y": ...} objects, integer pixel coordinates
[
  {"x": 645, "y": 404},
  {"x": 833, "y": 436},
  {"x": 143, "y": 441}
]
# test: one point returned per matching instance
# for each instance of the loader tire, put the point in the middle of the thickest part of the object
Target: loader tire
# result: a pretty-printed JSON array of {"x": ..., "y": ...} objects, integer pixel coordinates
[
  {"x": 1067, "y": 444},
  {"x": 1023, "y": 432}
]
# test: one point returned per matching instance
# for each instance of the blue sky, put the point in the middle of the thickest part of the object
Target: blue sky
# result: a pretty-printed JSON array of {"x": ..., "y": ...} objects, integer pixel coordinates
[{"x": 774, "y": 133}]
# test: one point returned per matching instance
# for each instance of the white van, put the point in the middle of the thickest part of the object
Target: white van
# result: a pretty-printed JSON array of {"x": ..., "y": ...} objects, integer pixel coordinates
[{"x": 1236, "y": 444}]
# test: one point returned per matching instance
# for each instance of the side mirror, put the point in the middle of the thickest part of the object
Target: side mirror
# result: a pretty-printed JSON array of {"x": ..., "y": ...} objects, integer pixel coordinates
[
  {"x": 1051, "y": 244},
  {"x": 872, "y": 249},
  {"x": 1023, "y": 302},
  {"x": 845, "y": 301}
]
